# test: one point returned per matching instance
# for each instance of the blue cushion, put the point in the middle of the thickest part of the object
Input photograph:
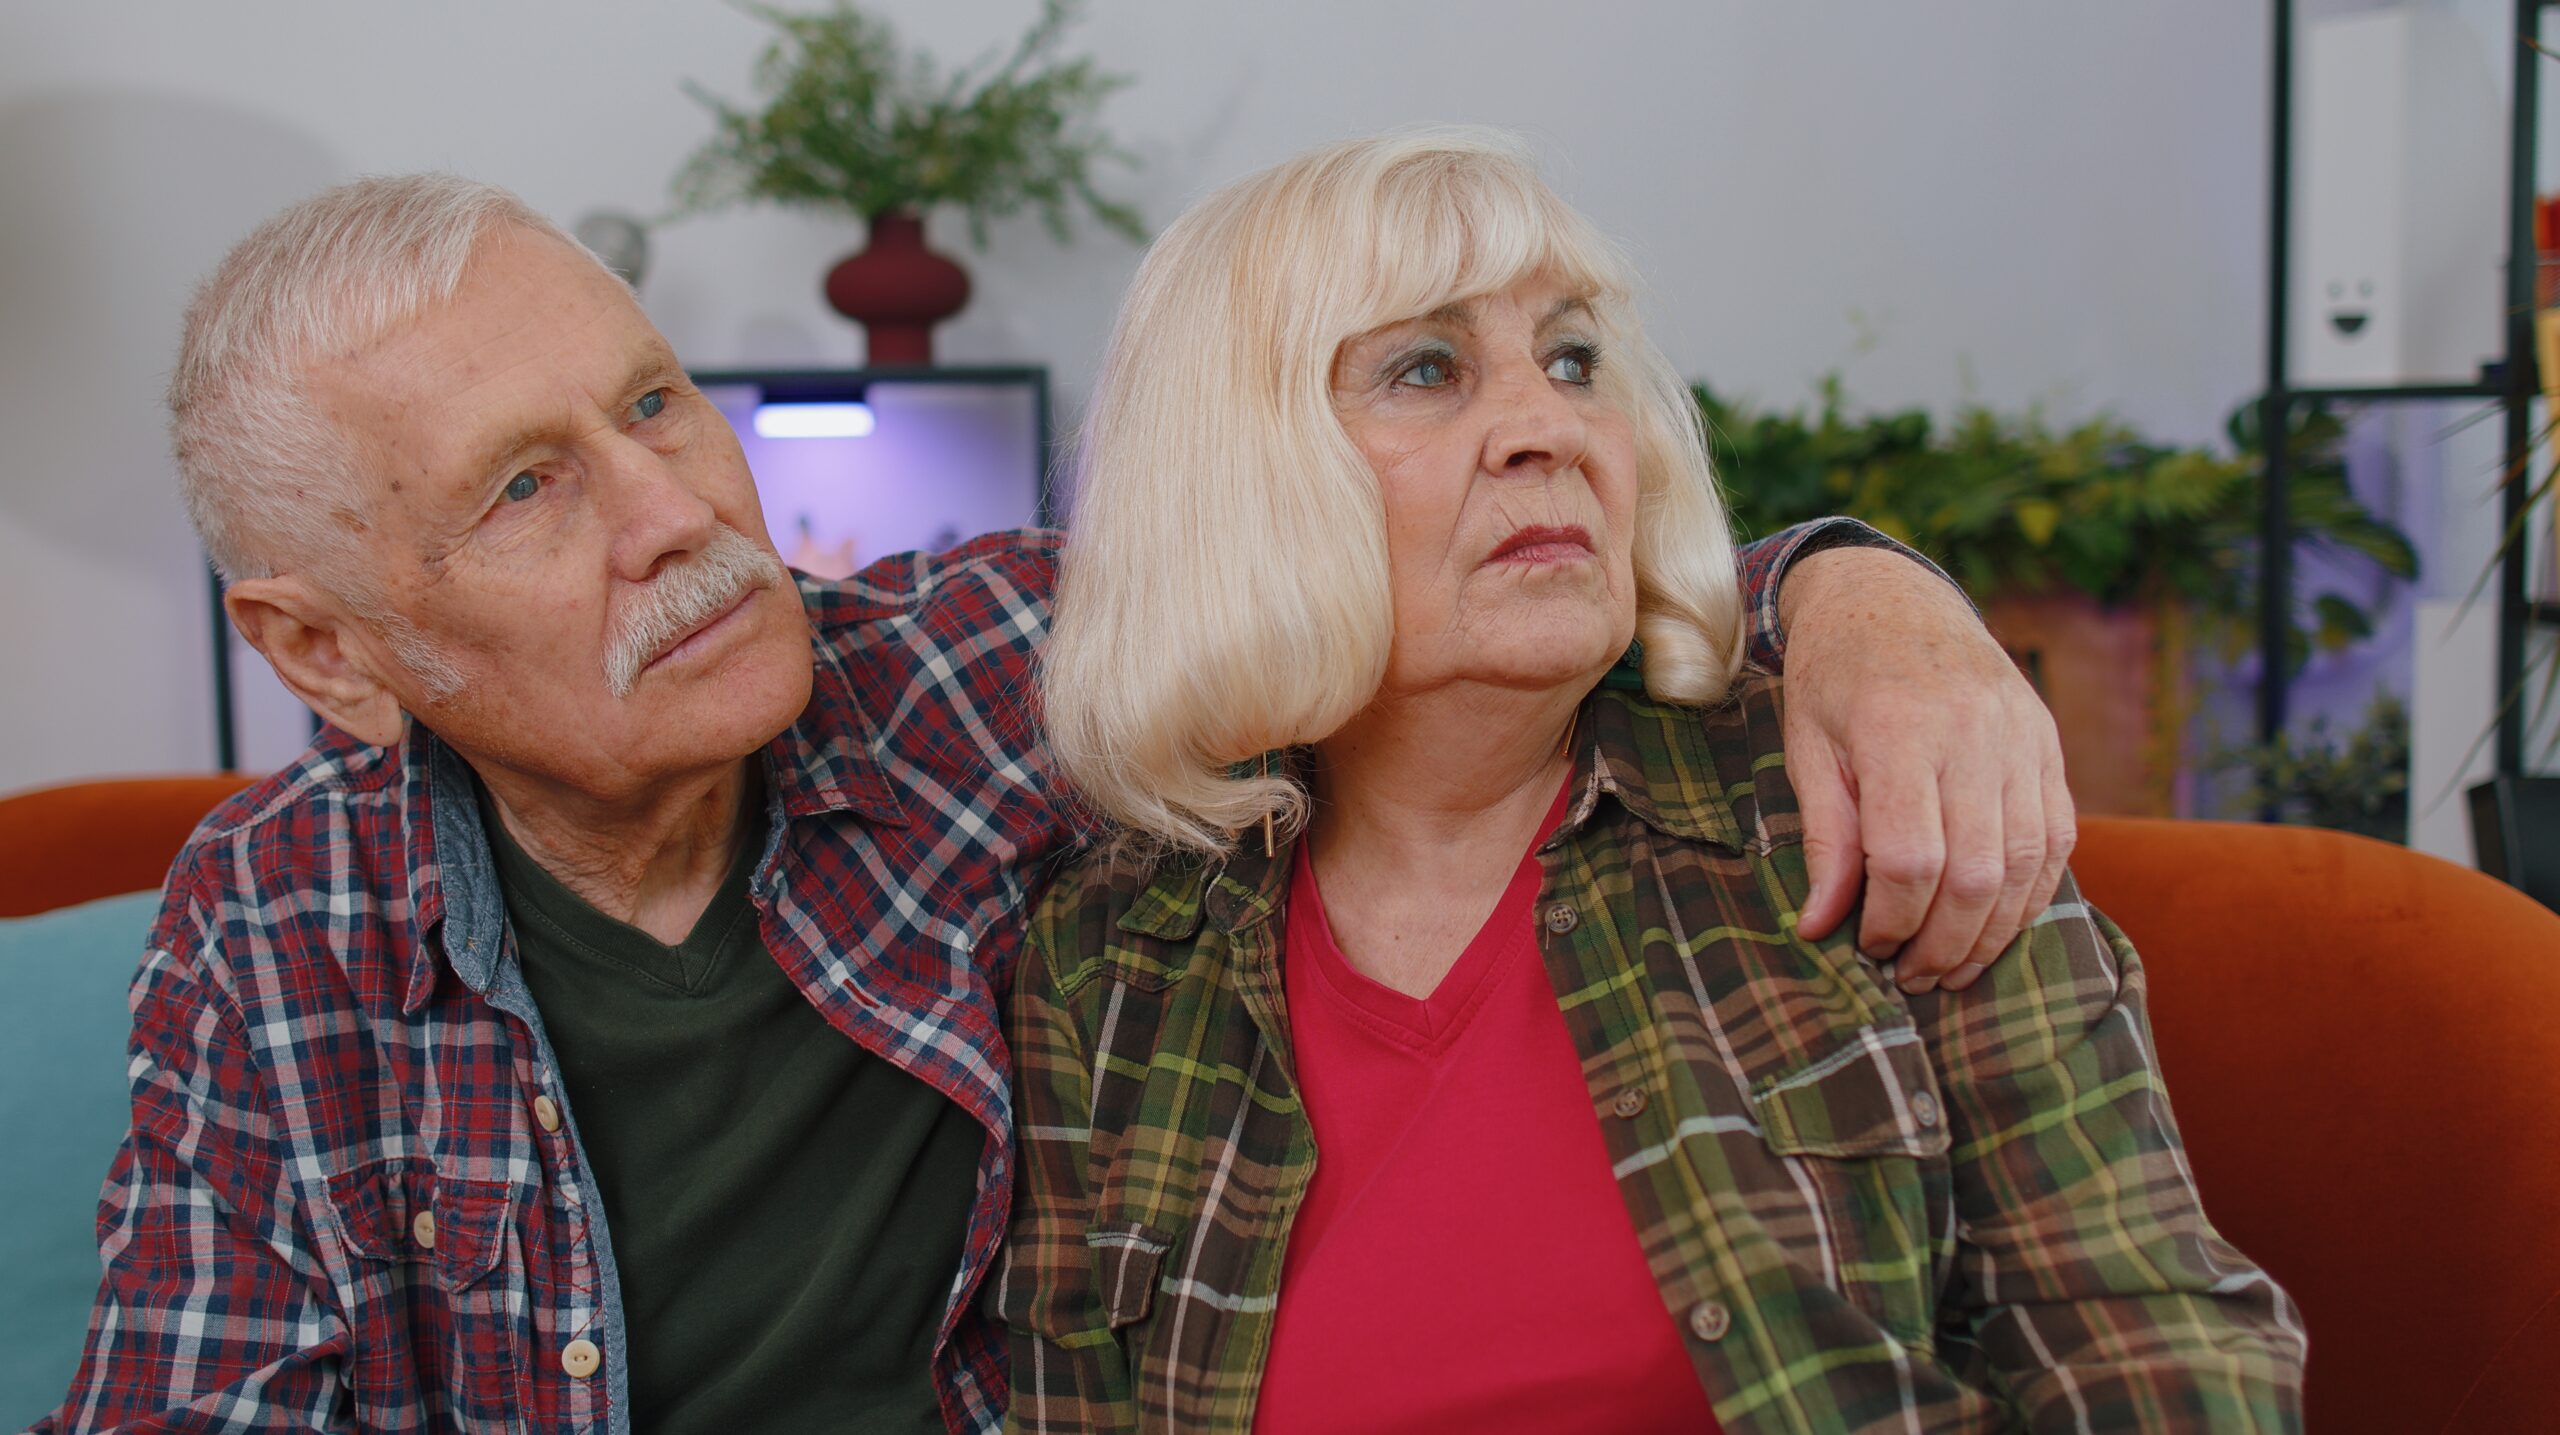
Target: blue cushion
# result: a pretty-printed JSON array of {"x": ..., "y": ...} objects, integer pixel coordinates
[{"x": 63, "y": 1107}]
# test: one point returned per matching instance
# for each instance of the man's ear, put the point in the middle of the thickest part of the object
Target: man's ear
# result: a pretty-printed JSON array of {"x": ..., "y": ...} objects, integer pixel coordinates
[{"x": 323, "y": 653}]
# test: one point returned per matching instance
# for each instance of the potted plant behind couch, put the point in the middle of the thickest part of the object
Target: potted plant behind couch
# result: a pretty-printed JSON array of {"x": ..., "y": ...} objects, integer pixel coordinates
[
  {"x": 853, "y": 124},
  {"x": 2101, "y": 560}
]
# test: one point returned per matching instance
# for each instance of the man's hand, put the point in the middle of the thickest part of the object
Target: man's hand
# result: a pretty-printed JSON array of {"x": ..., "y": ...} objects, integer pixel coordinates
[{"x": 1923, "y": 763}]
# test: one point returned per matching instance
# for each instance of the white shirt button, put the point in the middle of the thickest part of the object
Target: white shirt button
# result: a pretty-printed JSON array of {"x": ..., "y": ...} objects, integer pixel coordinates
[
  {"x": 546, "y": 1113},
  {"x": 580, "y": 1358},
  {"x": 424, "y": 1228},
  {"x": 1709, "y": 1320}
]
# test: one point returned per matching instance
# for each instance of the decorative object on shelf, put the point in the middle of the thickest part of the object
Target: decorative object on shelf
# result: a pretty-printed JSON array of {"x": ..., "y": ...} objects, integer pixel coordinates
[
  {"x": 619, "y": 240},
  {"x": 2515, "y": 829},
  {"x": 854, "y": 124},
  {"x": 2397, "y": 197},
  {"x": 2101, "y": 560},
  {"x": 2358, "y": 782},
  {"x": 897, "y": 289}
]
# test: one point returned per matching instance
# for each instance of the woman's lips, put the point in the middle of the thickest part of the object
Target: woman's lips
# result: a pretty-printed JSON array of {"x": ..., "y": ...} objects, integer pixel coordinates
[{"x": 1540, "y": 544}]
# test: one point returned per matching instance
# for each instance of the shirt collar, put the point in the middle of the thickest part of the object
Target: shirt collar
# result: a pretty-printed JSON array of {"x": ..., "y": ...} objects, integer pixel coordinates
[
  {"x": 1239, "y": 890},
  {"x": 1652, "y": 757},
  {"x": 467, "y": 896},
  {"x": 829, "y": 760}
]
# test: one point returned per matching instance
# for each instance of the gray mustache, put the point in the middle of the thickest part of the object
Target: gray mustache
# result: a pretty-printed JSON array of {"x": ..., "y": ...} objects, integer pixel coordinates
[{"x": 730, "y": 566}]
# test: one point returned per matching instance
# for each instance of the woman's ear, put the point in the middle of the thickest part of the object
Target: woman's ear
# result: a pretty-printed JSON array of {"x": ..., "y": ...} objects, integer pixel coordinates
[{"x": 322, "y": 651}]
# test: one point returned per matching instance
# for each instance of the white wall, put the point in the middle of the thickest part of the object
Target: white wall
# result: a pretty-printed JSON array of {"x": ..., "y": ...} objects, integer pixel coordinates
[{"x": 2010, "y": 200}]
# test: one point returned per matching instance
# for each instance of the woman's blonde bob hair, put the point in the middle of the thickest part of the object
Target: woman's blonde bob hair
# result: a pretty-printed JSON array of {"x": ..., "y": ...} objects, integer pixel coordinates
[{"x": 1224, "y": 587}]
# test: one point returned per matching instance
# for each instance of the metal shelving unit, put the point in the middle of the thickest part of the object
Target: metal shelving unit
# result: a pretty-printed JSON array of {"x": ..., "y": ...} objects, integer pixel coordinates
[{"x": 2510, "y": 382}]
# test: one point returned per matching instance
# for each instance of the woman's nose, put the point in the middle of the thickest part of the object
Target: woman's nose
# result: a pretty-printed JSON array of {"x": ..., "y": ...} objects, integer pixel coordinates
[{"x": 1532, "y": 430}]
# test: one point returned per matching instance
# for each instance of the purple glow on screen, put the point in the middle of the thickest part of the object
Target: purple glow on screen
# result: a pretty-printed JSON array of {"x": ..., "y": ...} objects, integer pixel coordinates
[
  {"x": 814, "y": 421},
  {"x": 942, "y": 462}
]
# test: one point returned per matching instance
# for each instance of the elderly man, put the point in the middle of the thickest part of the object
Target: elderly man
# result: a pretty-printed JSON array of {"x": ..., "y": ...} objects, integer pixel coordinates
[{"x": 597, "y": 1029}]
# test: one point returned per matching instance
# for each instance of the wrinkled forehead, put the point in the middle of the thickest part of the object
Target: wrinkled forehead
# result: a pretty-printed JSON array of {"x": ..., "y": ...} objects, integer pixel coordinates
[{"x": 528, "y": 347}]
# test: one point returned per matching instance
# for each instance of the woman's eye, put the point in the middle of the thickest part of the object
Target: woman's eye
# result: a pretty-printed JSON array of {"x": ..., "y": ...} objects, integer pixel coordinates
[
  {"x": 1573, "y": 366},
  {"x": 649, "y": 405},
  {"x": 1425, "y": 373},
  {"x": 522, "y": 487}
]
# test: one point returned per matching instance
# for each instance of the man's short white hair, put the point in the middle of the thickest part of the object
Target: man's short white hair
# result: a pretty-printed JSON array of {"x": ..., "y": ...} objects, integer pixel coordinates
[
  {"x": 270, "y": 482},
  {"x": 1224, "y": 590}
]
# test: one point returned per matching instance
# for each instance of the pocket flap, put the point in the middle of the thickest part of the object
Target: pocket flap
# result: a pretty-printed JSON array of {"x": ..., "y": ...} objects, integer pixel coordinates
[
  {"x": 378, "y": 1207},
  {"x": 1127, "y": 1261},
  {"x": 1874, "y": 1096}
]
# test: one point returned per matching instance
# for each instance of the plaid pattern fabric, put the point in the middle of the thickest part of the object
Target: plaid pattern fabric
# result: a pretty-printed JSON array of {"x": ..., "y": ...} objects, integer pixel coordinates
[
  {"x": 1869, "y": 1211},
  {"x": 332, "y": 1040}
]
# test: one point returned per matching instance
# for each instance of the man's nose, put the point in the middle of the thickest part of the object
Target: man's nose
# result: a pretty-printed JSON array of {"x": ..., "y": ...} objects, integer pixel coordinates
[{"x": 657, "y": 516}]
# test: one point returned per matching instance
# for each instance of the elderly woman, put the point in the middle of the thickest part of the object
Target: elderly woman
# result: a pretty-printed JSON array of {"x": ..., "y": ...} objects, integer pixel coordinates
[{"x": 1436, "y": 1051}]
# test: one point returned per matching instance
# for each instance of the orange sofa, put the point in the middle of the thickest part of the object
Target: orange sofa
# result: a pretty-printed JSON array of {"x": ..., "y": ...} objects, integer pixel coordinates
[
  {"x": 2363, "y": 1049},
  {"x": 2363, "y": 1045},
  {"x": 64, "y": 845}
]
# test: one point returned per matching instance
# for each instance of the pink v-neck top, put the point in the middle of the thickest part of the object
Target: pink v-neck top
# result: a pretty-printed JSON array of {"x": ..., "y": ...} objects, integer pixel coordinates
[{"x": 1462, "y": 1260}]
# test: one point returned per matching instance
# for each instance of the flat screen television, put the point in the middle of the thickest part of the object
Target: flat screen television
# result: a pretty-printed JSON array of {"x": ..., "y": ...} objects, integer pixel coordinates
[{"x": 855, "y": 465}]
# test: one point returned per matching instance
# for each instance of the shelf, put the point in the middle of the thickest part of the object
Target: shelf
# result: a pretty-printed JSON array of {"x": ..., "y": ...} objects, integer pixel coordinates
[
  {"x": 2508, "y": 382},
  {"x": 2384, "y": 393}
]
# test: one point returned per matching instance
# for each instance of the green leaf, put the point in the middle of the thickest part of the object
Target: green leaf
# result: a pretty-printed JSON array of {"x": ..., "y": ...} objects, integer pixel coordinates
[
  {"x": 2008, "y": 504},
  {"x": 852, "y": 123},
  {"x": 2037, "y": 518}
]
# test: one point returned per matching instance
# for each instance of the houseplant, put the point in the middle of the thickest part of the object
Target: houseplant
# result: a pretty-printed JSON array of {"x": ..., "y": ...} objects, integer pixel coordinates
[
  {"x": 852, "y": 123},
  {"x": 2099, "y": 557},
  {"x": 2357, "y": 782}
]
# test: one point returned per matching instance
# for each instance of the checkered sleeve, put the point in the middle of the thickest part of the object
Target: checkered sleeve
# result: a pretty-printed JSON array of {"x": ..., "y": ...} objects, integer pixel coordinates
[
  {"x": 213, "y": 1313},
  {"x": 1764, "y": 567},
  {"x": 2087, "y": 1276},
  {"x": 1070, "y": 1374}
]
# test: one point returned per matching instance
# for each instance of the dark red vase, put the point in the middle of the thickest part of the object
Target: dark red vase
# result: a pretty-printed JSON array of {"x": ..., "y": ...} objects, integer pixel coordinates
[{"x": 897, "y": 290}]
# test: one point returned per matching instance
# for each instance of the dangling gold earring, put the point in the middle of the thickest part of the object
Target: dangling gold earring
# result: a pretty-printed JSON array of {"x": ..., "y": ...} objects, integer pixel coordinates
[{"x": 1267, "y": 848}]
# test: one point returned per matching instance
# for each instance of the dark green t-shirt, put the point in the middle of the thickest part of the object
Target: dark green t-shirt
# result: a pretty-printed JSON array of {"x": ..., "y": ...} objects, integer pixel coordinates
[{"x": 787, "y": 1210}]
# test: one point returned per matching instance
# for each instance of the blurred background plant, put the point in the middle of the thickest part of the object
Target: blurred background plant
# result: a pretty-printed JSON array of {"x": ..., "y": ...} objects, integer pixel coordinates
[
  {"x": 2109, "y": 565},
  {"x": 2011, "y": 506},
  {"x": 851, "y": 122},
  {"x": 2357, "y": 782}
]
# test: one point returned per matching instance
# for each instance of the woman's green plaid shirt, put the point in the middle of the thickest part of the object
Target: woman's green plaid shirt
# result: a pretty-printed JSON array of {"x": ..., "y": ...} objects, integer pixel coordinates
[{"x": 1869, "y": 1211}]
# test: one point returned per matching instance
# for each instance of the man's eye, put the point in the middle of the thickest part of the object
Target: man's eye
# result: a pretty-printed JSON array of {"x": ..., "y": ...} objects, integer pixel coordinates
[
  {"x": 649, "y": 405},
  {"x": 522, "y": 487}
]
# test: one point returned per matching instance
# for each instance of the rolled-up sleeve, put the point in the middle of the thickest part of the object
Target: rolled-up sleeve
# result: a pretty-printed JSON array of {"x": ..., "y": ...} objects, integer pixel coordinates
[
  {"x": 1764, "y": 565},
  {"x": 2094, "y": 1288}
]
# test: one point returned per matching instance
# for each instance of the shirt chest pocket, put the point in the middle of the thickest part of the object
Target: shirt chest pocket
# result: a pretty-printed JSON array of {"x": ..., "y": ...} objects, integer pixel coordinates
[
  {"x": 445, "y": 1305},
  {"x": 1144, "y": 1204},
  {"x": 1128, "y": 1261},
  {"x": 1181, "y": 1245},
  {"x": 1866, "y": 1125},
  {"x": 1160, "y": 1339}
]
